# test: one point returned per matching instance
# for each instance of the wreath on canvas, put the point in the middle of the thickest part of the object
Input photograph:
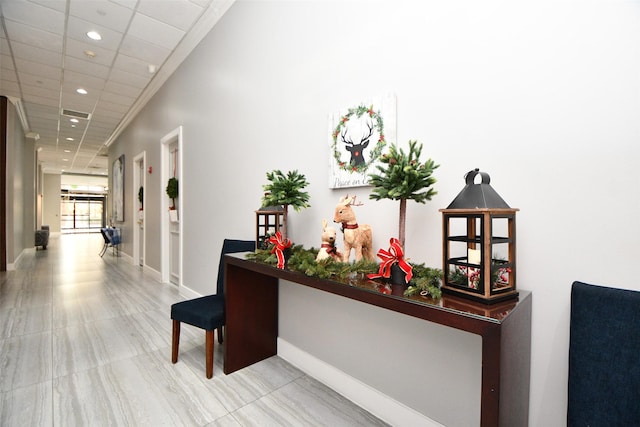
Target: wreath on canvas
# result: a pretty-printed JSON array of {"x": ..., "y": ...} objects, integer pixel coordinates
[{"x": 357, "y": 162}]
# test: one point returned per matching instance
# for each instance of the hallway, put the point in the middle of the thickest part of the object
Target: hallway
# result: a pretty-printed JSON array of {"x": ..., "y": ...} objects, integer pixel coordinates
[{"x": 86, "y": 341}]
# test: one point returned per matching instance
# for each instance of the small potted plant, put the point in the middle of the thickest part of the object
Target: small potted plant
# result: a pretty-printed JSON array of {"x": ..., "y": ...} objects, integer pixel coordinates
[
  {"x": 172, "y": 192},
  {"x": 286, "y": 190},
  {"x": 402, "y": 176},
  {"x": 141, "y": 200}
]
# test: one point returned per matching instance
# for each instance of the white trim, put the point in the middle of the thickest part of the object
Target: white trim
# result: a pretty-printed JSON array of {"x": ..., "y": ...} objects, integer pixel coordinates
[{"x": 379, "y": 404}]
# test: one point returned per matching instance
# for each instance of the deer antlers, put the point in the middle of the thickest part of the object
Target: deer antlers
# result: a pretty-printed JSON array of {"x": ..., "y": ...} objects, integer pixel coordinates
[
  {"x": 363, "y": 139},
  {"x": 350, "y": 201}
]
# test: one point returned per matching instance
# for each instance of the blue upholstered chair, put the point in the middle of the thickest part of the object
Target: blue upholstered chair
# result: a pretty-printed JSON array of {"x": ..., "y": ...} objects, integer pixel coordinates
[
  {"x": 42, "y": 237},
  {"x": 604, "y": 357},
  {"x": 206, "y": 312}
]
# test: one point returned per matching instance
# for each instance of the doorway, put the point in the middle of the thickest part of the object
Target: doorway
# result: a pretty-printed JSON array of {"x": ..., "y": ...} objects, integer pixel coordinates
[
  {"x": 139, "y": 185},
  {"x": 171, "y": 220}
]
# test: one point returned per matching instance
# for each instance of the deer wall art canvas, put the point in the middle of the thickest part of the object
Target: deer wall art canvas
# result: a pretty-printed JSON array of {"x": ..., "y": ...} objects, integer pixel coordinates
[{"x": 359, "y": 135}]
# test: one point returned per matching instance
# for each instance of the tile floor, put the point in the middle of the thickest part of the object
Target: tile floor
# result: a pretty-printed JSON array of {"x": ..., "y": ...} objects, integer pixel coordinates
[{"x": 86, "y": 341}]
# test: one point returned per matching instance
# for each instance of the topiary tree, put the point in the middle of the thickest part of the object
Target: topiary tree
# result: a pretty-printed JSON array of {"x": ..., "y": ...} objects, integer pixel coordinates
[
  {"x": 172, "y": 190},
  {"x": 285, "y": 190},
  {"x": 403, "y": 177},
  {"x": 141, "y": 197}
]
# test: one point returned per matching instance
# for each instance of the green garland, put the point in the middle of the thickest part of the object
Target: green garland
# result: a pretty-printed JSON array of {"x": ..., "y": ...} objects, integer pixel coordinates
[
  {"x": 375, "y": 153},
  {"x": 304, "y": 261}
]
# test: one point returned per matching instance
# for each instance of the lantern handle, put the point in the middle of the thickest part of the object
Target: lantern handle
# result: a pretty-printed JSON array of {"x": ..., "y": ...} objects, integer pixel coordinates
[{"x": 470, "y": 177}]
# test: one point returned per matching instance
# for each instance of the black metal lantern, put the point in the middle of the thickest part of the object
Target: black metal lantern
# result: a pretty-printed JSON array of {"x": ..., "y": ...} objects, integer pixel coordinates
[
  {"x": 479, "y": 243},
  {"x": 269, "y": 221}
]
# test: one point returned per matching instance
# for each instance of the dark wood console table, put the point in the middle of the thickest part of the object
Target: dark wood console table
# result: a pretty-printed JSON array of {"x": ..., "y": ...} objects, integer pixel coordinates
[{"x": 251, "y": 331}]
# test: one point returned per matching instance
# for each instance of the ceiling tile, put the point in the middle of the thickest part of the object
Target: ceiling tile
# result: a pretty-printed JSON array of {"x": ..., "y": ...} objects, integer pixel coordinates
[
  {"x": 59, "y": 5},
  {"x": 131, "y": 4},
  {"x": 117, "y": 98},
  {"x": 180, "y": 14},
  {"x": 33, "y": 36},
  {"x": 107, "y": 14},
  {"x": 76, "y": 48},
  {"x": 34, "y": 15},
  {"x": 145, "y": 51},
  {"x": 110, "y": 106},
  {"x": 74, "y": 80},
  {"x": 36, "y": 69},
  {"x": 86, "y": 67},
  {"x": 132, "y": 65},
  {"x": 41, "y": 95},
  {"x": 78, "y": 28},
  {"x": 132, "y": 80},
  {"x": 114, "y": 87},
  {"x": 39, "y": 81},
  {"x": 36, "y": 54},
  {"x": 202, "y": 3},
  {"x": 154, "y": 31}
]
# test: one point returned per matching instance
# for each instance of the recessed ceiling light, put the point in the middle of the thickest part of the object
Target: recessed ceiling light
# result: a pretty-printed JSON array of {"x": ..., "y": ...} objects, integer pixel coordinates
[
  {"x": 67, "y": 151},
  {"x": 81, "y": 91},
  {"x": 90, "y": 53},
  {"x": 69, "y": 139},
  {"x": 74, "y": 120},
  {"x": 151, "y": 68},
  {"x": 65, "y": 160},
  {"x": 94, "y": 35}
]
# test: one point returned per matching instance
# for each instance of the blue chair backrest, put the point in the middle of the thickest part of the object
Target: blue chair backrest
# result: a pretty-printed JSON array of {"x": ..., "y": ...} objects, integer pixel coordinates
[
  {"x": 230, "y": 246},
  {"x": 604, "y": 357}
]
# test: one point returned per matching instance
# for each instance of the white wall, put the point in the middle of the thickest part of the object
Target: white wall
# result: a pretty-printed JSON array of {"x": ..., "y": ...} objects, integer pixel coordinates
[
  {"x": 545, "y": 96},
  {"x": 51, "y": 201}
]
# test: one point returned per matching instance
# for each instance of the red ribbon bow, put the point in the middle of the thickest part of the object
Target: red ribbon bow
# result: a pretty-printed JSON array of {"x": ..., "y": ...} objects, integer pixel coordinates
[
  {"x": 279, "y": 246},
  {"x": 331, "y": 249},
  {"x": 393, "y": 256}
]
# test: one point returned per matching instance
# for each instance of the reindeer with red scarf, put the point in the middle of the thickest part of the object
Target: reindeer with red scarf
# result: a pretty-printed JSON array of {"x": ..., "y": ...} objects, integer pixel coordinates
[
  {"x": 328, "y": 247},
  {"x": 357, "y": 237}
]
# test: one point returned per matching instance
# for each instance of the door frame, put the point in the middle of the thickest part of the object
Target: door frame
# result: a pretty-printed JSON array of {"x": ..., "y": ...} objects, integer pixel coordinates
[
  {"x": 166, "y": 173},
  {"x": 139, "y": 163}
]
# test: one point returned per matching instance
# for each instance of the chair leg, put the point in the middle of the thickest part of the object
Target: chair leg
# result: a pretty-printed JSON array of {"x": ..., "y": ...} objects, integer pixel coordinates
[
  {"x": 209, "y": 353},
  {"x": 175, "y": 341},
  {"x": 221, "y": 334}
]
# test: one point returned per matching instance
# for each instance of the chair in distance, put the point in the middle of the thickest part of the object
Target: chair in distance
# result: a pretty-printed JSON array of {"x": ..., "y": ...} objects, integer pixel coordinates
[
  {"x": 111, "y": 238},
  {"x": 206, "y": 312}
]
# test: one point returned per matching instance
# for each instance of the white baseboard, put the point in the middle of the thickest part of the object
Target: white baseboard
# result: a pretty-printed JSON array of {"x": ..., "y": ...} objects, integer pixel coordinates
[
  {"x": 152, "y": 272},
  {"x": 379, "y": 404},
  {"x": 189, "y": 293}
]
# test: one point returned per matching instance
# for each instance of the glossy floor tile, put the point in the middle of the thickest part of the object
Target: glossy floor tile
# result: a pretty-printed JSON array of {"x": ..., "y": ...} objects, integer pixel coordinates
[{"x": 86, "y": 341}]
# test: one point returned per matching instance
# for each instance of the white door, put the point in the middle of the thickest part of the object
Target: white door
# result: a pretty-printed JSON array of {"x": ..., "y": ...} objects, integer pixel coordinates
[
  {"x": 139, "y": 182},
  {"x": 171, "y": 223}
]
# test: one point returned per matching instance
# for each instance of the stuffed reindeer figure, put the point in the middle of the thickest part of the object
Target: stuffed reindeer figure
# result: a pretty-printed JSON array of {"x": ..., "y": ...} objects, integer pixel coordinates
[
  {"x": 357, "y": 237},
  {"x": 328, "y": 247}
]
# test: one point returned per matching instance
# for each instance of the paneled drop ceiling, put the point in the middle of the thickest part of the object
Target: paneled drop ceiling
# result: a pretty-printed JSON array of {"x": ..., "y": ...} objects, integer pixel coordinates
[{"x": 46, "y": 57}]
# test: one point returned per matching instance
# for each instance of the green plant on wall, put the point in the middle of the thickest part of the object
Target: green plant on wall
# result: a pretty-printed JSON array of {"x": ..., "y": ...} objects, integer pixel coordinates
[
  {"x": 403, "y": 177},
  {"x": 286, "y": 190},
  {"x": 172, "y": 190},
  {"x": 141, "y": 197}
]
